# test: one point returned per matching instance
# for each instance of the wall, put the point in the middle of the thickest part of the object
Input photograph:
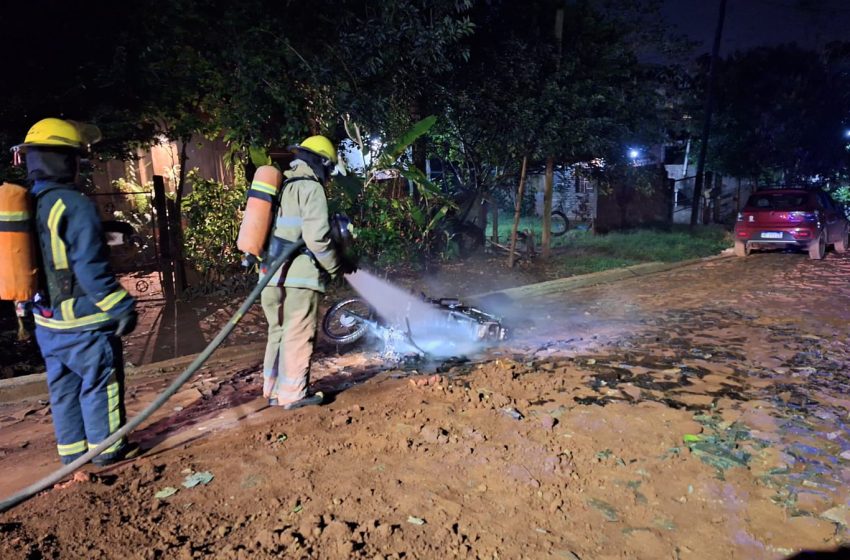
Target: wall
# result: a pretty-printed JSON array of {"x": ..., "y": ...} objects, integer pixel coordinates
[
  {"x": 162, "y": 159},
  {"x": 621, "y": 206},
  {"x": 723, "y": 197},
  {"x": 565, "y": 193}
]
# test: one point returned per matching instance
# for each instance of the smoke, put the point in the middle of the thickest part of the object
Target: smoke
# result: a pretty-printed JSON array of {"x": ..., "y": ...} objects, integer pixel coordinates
[{"x": 431, "y": 330}]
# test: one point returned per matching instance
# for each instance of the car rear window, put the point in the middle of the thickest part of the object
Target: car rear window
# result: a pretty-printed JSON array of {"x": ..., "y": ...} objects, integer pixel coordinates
[{"x": 777, "y": 201}]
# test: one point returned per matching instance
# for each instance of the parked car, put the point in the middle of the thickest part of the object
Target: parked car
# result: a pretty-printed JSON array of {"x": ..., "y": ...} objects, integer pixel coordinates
[{"x": 784, "y": 218}]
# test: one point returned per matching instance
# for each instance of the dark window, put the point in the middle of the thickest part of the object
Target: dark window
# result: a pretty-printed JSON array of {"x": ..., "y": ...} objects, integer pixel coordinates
[
  {"x": 778, "y": 201},
  {"x": 583, "y": 185}
]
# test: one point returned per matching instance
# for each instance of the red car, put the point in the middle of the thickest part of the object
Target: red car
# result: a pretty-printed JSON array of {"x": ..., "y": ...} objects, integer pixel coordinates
[{"x": 782, "y": 218}]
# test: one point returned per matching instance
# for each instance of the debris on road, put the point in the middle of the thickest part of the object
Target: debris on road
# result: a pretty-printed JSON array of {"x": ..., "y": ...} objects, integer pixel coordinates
[
  {"x": 195, "y": 479},
  {"x": 165, "y": 492}
]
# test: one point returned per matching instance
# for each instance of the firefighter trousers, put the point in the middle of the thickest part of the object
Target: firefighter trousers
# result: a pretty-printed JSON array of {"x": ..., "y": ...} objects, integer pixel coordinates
[
  {"x": 85, "y": 377},
  {"x": 292, "y": 314}
]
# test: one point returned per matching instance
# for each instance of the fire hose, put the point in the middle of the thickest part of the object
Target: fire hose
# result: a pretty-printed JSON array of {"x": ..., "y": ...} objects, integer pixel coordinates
[{"x": 69, "y": 469}]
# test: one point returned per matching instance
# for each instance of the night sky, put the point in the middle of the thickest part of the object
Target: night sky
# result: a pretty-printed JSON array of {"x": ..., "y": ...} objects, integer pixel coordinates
[{"x": 751, "y": 23}]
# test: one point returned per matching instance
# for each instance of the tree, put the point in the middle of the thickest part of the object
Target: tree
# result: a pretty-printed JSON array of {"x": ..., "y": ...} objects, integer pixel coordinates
[
  {"x": 782, "y": 115},
  {"x": 259, "y": 72},
  {"x": 552, "y": 80}
]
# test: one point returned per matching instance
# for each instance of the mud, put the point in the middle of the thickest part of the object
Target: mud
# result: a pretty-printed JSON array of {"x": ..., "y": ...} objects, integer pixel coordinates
[{"x": 699, "y": 413}]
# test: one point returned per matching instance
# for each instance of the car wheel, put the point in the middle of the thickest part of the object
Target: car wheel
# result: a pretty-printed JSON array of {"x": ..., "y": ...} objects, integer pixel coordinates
[
  {"x": 742, "y": 249},
  {"x": 817, "y": 249},
  {"x": 841, "y": 244}
]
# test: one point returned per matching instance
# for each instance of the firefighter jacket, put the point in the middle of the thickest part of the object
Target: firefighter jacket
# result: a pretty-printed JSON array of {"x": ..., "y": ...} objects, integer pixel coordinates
[
  {"x": 83, "y": 293},
  {"x": 303, "y": 214}
]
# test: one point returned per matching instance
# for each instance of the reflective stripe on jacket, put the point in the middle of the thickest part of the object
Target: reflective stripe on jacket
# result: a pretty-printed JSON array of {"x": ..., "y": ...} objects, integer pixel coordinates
[
  {"x": 303, "y": 214},
  {"x": 84, "y": 293}
]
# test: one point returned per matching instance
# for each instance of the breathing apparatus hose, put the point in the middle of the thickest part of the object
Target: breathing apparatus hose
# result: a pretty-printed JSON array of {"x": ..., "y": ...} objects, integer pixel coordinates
[{"x": 69, "y": 469}]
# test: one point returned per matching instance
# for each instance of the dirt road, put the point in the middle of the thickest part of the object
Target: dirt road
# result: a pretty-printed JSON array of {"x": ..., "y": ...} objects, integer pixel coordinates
[{"x": 697, "y": 413}]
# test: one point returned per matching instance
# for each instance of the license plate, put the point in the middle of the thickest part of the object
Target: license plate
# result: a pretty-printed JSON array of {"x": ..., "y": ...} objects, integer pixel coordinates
[{"x": 771, "y": 235}]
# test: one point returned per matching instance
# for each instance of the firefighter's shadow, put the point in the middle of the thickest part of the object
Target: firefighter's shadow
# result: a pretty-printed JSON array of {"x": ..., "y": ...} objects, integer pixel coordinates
[{"x": 197, "y": 414}]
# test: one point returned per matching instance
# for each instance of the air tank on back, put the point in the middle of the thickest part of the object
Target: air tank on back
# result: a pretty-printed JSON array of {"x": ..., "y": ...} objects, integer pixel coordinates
[
  {"x": 18, "y": 280},
  {"x": 258, "y": 217}
]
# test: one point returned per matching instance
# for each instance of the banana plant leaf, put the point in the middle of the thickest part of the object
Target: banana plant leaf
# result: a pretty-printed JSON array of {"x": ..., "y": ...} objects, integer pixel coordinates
[{"x": 411, "y": 136}]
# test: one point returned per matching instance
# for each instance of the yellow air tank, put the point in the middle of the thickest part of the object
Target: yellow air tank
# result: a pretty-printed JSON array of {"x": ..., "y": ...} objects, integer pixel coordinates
[
  {"x": 17, "y": 248},
  {"x": 257, "y": 220}
]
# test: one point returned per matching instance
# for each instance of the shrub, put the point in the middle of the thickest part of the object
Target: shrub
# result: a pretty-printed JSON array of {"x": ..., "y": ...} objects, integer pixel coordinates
[{"x": 213, "y": 213}]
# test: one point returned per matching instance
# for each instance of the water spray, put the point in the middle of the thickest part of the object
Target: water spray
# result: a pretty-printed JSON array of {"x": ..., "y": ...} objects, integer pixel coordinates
[{"x": 409, "y": 324}]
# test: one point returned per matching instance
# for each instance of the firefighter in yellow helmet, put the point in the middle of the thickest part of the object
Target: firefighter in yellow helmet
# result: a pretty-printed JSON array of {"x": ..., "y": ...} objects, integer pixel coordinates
[
  {"x": 290, "y": 302},
  {"x": 82, "y": 311}
]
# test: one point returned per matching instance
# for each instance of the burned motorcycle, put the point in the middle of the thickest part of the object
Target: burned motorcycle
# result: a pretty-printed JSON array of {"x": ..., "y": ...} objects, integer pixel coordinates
[{"x": 349, "y": 320}]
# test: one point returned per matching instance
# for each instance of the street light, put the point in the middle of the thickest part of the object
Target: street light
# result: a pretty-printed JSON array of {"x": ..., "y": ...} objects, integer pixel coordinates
[{"x": 633, "y": 154}]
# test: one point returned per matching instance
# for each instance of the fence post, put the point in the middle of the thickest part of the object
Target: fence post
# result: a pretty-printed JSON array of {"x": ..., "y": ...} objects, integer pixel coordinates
[
  {"x": 164, "y": 256},
  {"x": 177, "y": 249}
]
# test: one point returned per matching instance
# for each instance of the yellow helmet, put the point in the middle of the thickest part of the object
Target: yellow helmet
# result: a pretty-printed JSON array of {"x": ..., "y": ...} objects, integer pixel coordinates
[
  {"x": 58, "y": 133},
  {"x": 320, "y": 146}
]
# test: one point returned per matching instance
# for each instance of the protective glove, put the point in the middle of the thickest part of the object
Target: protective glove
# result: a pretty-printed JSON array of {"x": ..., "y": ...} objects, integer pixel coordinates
[
  {"x": 126, "y": 323},
  {"x": 347, "y": 266}
]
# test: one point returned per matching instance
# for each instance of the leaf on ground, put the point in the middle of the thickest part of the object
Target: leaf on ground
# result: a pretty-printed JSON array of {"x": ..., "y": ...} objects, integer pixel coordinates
[
  {"x": 606, "y": 509},
  {"x": 165, "y": 492},
  {"x": 197, "y": 478},
  {"x": 664, "y": 523}
]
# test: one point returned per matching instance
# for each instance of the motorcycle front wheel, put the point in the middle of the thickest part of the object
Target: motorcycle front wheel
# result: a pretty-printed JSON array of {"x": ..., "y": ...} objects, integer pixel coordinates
[{"x": 346, "y": 322}]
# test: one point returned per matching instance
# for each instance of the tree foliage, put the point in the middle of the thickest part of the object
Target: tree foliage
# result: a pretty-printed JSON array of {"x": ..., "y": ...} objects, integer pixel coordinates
[
  {"x": 213, "y": 213},
  {"x": 540, "y": 83},
  {"x": 782, "y": 114}
]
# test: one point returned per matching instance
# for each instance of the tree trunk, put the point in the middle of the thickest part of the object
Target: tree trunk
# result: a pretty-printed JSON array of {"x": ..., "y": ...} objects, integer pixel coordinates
[
  {"x": 706, "y": 126},
  {"x": 517, "y": 209},
  {"x": 483, "y": 210},
  {"x": 495, "y": 228},
  {"x": 548, "y": 187},
  {"x": 738, "y": 196}
]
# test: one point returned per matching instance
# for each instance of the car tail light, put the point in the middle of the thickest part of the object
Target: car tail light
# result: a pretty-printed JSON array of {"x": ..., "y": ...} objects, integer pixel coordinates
[
  {"x": 743, "y": 234},
  {"x": 802, "y": 234},
  {"x": 798, "y": 216}
]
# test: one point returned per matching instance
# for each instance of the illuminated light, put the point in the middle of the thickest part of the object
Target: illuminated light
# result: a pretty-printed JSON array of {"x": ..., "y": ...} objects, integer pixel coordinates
[
  {"x": 743, "y": 234},
  {"x": 634, "y": 154}
]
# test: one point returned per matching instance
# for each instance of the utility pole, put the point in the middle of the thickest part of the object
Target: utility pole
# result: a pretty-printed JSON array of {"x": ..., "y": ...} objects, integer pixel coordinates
[{"x": 696, "y": 204}]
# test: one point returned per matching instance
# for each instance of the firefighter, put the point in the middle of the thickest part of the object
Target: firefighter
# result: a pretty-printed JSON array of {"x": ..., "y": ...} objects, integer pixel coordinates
[
  {"x": 290, "y": 301},
  {"x": 83, "y": 311}
]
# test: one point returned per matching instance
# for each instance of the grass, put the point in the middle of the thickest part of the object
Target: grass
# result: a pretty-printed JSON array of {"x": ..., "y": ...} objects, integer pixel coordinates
[
  {"x": 581, "y": 252},
  {"x": 534, "y": 224},
  {"x": 652, "y": 245}
]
